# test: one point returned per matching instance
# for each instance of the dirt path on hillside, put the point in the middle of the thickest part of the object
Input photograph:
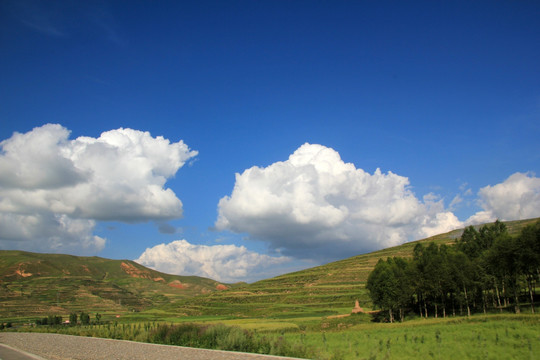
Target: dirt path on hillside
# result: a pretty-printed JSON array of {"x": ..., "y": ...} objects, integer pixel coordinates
[{"x": 68, "y": 347}]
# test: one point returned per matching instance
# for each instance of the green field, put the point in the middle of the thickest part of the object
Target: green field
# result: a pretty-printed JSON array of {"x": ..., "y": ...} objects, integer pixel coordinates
[
  {"x": 481, "y": 337},
  {"x": 355, "y": 337}
]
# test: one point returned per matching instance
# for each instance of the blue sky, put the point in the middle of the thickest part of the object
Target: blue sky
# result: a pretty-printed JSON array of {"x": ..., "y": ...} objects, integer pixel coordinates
[{"x": 442, "y": 97}]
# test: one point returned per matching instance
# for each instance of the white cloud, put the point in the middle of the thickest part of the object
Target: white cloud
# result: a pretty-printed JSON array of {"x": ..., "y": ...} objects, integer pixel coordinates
[
  {"x": 456, "y": 201},
  {"x": 49, "y": 232},
  {"x": 314, "y": 205},
  {"x": 119, "y": 176},
  {"x": 481, "y": 217},
  {"x": 518, "y": 197},
  {"x": 226, "y": 263}
]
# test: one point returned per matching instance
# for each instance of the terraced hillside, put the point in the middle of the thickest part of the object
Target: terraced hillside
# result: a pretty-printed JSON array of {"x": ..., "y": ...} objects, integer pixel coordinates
[
  {"x": 324, "y": 290},
  {"x": 37, "y": 284}
]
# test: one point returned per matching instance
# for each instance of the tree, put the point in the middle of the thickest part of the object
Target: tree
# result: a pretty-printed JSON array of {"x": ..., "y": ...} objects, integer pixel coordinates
[
  {"x": 85, "y": 318},
  {"x": 473, "y": 243},
  {"x": 468, "y": 242},
  {"x": 383, "y": 287},
  {"x": 528, "y": 257},
  {"x": 486, "y": 268},
  {"x": 73, "y": 318},
  {"x": 504, "y": 257},
  {"x": 462, "y": 271},
  {"x": 401, "y": 269}
]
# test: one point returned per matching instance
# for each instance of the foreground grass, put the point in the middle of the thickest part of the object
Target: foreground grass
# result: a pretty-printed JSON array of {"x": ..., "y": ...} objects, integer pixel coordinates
[
  {"x": 482, "y": 337},
  {"x": 355, "y": 337}
]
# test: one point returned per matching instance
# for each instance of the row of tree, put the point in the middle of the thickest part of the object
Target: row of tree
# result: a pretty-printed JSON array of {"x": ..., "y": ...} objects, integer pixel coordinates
[
  {"x": 486, "y": 269},
  {"x": 74, "y": 318}
]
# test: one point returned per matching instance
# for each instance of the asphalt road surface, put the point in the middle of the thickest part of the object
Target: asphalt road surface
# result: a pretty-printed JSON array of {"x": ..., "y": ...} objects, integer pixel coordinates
[
  {"x": 64, "y": 347},
  {"x": 9, "y": 353}
]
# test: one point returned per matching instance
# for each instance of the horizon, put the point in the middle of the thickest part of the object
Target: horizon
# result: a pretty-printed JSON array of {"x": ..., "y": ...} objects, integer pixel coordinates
[{"x": 246, "y": 140}]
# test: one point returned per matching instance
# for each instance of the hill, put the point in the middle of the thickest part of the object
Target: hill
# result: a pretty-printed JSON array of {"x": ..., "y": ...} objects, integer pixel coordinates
[
  {"x": 40, "y": 284},
  {"x": 37, "y": 284},
  {"x": 320, "y": 291}
]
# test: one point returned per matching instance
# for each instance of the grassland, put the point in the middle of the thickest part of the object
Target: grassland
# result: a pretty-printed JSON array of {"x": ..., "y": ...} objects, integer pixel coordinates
[
  {"x": 356, "y": 337},
  {"x": 325, "y": 290},
  {"x": 34, "y": 284}
]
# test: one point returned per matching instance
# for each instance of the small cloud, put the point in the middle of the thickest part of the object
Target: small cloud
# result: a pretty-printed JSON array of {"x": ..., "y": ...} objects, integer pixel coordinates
[
  {"x": 516, "y": 198},
  {"x": 42, "y": 26},
  {"x": 226, "y": 263},
  {"x": 455, "y": 201},
  {"x": 480, "y": 217}
]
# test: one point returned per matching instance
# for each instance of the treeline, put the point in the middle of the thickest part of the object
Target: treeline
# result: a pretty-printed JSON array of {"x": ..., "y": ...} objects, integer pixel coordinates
[
  {"x": 83, "y": 318},
  {"x": 486, "y": 269}
]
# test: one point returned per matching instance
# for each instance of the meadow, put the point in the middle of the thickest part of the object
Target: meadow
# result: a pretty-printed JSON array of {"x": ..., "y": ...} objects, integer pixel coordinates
[{"x": 494, "y": 336}]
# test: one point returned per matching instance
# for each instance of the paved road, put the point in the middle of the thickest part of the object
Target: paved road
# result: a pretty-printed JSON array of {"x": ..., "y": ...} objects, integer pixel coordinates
[
  {"x": 67, "y": 347},
  {"x": 9, "y": 353}
]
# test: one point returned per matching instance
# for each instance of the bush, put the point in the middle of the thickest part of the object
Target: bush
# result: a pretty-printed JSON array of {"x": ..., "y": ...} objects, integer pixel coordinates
[
  {"x": 73, "y": 318},
  {"x": 50, "y": 320},
  {"x": 223, "y": 337},
  {"x": 184, "y": 335},
  {"x": 237, "y": 340},
  {"x": 85, "y": 318}
]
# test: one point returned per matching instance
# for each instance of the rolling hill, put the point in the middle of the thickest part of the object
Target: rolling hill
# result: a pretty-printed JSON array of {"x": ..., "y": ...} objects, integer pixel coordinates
[
  {"x": 37, "y": 284},
  {"x": 323, "y": 290},
  {"x": 40, "y": 284}
]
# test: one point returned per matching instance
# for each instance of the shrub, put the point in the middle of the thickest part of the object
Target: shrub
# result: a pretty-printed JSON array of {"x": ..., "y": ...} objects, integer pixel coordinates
[
  {"x": 224, "y": 338},
  {"x": 73, "y": 318},
  {"x": 184, "y": 335},
  {"x": 85, "y": 318}
]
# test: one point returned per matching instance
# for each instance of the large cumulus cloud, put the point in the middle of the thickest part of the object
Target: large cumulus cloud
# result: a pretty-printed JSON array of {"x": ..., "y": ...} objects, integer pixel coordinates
[
  {"x": 53, "y": 189},
  {"x": 227, "y": 263},
  {"x": 315, "y": 205}
]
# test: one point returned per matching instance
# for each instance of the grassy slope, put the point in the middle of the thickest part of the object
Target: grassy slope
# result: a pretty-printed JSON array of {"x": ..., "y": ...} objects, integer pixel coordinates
[
  {"x": 32, "y": 284},
  {"x": 324, "y": 290},
  {"x": 64, "y": 283}
]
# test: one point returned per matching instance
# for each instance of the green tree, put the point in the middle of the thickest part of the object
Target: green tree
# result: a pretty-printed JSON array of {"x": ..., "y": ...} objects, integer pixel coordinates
[
  {"x": 73, "y": 318},
  {"x": 473, "y": 243},
  {"x": 528, "y": 257},
  {"x": 85, "y": 318},
  {"x": 463, "y": 274},
  {"x": 383, "y": 287},
  {"x": 503, "y": 256},
  {"x": 468, "y": 242}
]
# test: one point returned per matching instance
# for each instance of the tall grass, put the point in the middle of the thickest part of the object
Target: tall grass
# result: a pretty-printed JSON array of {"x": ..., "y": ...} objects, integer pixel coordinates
[
  {"x": 208, "y": 336},
  {"x": 479, "y": 337},
  {"x": 503, "y": 337},
  {"x": 229, "y": 338}
]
